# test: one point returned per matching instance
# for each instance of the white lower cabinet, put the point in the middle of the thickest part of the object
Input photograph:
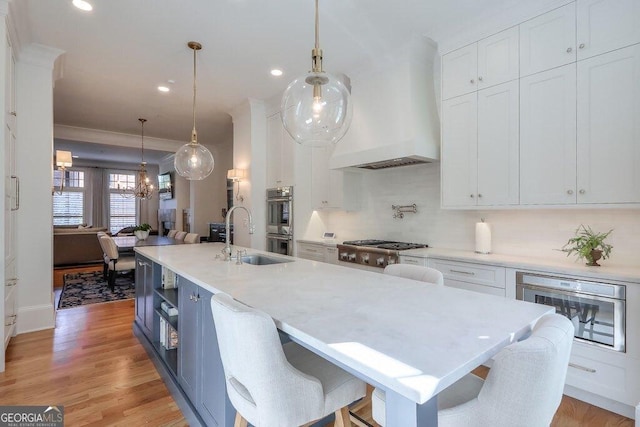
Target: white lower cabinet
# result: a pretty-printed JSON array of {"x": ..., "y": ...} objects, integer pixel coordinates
[
  {"x": 486, "y": 279},
  {"x": 317, "y": 252}
]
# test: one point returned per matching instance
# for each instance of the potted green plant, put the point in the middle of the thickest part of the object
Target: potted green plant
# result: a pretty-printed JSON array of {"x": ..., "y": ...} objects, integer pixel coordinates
[
  {"x": 142, "y": 231},
  {"x": 589, "y": 245}
]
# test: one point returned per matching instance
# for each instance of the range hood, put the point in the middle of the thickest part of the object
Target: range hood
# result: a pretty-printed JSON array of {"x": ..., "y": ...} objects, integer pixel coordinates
[{"x": 395, "y": 120}]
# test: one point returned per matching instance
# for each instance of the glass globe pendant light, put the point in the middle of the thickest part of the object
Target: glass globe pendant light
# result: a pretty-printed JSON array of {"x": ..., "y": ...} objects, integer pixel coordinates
[
  {"x": 316, "y": 108},
  {"x": 194, "y": 161}
]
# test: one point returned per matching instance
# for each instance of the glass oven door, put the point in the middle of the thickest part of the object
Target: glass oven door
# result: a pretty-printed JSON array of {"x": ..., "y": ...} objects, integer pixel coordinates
[
  {"x": 598, "y": 320},
  {"x": 279, "y": 244},
  {"x": 279, "y": 220}
]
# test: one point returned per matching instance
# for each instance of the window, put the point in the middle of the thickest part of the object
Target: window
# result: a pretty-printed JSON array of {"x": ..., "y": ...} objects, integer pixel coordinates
[
  {"x": 68, "y": 207},
  {"x": 122, "y": 203}
]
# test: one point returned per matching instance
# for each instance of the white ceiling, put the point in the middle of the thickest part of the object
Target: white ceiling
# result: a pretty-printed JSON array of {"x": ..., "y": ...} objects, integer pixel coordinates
[{"x": 117, "y": 54}]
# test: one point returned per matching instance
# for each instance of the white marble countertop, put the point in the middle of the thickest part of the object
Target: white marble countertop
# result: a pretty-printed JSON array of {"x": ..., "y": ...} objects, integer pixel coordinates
[
  {"x": 332, "y": 243},
  {"x": 409, "y": 338},
  {"x": 607, "y": 271}
]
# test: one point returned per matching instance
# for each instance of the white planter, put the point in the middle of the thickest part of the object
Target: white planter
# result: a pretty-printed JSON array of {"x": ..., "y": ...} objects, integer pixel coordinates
[{"x": 141, "y": 234}]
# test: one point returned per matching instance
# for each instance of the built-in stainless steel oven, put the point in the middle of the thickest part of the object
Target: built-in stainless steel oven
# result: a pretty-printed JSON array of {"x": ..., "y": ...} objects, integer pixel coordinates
[
  {"x": 596, "y": 309},
  {"x": 280, "y": 220}
]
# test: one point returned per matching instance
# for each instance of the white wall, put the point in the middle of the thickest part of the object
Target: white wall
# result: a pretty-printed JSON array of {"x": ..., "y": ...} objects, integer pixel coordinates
[
  {"x": 34, "y": 148},
  {"x": 525, "y": 232}
]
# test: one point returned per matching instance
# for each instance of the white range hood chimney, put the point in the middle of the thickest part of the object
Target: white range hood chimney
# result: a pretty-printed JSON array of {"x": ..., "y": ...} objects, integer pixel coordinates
[{"x": 395, "y": 119}]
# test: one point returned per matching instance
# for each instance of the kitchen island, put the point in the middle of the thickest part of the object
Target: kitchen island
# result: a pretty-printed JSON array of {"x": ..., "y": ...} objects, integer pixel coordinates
[{"x": 411, "y": 339}]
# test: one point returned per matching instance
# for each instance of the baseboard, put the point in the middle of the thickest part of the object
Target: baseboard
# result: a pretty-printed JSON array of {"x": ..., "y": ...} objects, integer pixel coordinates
[
  {"x": 36, "y": 318},
  {"x": 603, "y": 402}
]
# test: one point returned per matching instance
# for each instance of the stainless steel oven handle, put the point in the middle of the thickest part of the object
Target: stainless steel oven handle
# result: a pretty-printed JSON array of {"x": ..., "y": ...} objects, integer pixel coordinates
[
  {"x": 583, "y": 368},
  {"x": 279, "y": 238},
  {"x": 582, "y": 295},
  {"x": 279, "y": 199}
]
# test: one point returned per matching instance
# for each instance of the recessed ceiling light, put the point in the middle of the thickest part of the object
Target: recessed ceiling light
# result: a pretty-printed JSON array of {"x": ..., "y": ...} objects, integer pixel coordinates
[
  {"x": 163, "y": 89},
  {"x": 75, "y": 157},
  {"x": 276, "y": 72},
  {"x": 82, "y": 5}
]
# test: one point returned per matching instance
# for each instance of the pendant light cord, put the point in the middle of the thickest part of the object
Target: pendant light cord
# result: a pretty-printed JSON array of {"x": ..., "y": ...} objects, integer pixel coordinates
[
  {"x": 194, "y": 137},
  {"x": 142, "y": 140},
  {"x": 317, "y": 28}
]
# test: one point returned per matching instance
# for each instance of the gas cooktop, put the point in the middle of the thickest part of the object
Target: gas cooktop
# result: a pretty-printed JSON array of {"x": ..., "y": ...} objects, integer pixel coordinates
[{"x": 385, "y": 244}]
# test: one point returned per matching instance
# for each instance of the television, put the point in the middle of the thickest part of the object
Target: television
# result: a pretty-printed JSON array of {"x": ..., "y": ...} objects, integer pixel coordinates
[{"x": 165, "y": 186}]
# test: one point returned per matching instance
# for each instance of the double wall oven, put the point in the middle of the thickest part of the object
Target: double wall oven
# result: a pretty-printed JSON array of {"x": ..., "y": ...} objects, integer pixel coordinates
[
  {"x": 280, "y": 220},
  {"x": 596, "y": 309}
]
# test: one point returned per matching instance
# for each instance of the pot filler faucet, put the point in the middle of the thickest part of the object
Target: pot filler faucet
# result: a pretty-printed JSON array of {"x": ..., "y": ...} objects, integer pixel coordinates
[{"x": 227, "y": 247}]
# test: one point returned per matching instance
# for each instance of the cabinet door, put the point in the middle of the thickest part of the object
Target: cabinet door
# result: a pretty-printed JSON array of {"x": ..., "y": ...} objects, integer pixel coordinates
[
  {"x": 274, "y": 144},
  {"x": 460, "y": 151},
  {"x": 460, "y": 71},
  {"x": 609, "y": 127},
  {"x": 548, "y": 40},
  {"x": 141, "y": 296},
  {"x": 214, "y": 406},
  {"x": 498, "y": 142},
  {"x": 498, "y": 58},
  {"x": 606, "y": 25},
  {"x": 189, "y": 338},
  {"x": 319, "y": 178},
  {"x": 331, "y": 255},
  {"x": 548, "y": 137}
]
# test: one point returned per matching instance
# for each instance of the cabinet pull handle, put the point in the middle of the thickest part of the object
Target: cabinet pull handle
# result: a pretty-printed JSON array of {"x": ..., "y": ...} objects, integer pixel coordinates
[
  {"x": 480, "y": 78},
  {"x": 479, "y": 195},
  {"x": 583, "y": 368},
  {"x": 471, "y": 195},
  {"x": 11, "y": 283},
  {"x": 472, "y": 81},
  {"x": 581, "y": 191},
  {"x": 581, "y": 46},
  {"x": 470, "y": 273},
  {"x": 569, "y": 50},
  {"x": 569, "y": 192},
  {"x": 17, "y": 196},
  {"x": 13, "y": 113}
]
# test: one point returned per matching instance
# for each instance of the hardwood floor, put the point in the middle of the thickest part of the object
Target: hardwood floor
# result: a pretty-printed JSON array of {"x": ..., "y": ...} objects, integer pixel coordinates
[{"x": 94, "y": 366}]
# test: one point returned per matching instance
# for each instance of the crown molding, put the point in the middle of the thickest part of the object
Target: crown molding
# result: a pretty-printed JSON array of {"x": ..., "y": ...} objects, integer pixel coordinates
[
  {"x": 39, "y": 55},
  {"x": 97, "y": 136}
]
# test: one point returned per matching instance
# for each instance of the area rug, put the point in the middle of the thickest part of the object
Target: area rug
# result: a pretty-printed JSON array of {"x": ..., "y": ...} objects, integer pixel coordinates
[{"x": 90, "y": 288}]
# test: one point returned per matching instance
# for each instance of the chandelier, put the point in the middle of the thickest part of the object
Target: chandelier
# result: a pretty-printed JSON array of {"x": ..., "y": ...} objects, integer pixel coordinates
[{"x": 143, "y": 189}]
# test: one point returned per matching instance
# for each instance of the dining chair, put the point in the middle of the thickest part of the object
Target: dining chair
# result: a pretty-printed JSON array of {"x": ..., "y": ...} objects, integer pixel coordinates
[
  {"x": 172, "y": 233},
  {"x": 415, "y": 272},
  {"x": 180, "y": 235},
  {"x": 192, "y": 238},
  {"x": 115, "y": 262},
  {"x": 105, "y": 258},
  {"x": 270, "y": 384},
  {"x": 523, "y": 388}
]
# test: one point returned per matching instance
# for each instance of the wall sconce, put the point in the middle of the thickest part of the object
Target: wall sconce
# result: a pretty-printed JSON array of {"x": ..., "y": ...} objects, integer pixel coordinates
[
  {"x": 237, "y": 175},
  {"x": 63, "y": 161}
]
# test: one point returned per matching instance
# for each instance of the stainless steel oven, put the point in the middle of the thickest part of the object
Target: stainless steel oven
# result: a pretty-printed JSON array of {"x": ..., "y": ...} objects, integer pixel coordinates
[
  {"x": 596, "y": 309},
  {"x": 280, "y": 220}
]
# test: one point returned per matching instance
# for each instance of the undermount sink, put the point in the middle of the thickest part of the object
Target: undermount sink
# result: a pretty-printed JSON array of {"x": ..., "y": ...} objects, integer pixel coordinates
[{"x": 263, "y": 260}]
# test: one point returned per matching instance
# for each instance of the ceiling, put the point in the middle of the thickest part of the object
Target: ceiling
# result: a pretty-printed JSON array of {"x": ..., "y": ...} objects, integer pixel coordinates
[{"x": 116, "y": 55}]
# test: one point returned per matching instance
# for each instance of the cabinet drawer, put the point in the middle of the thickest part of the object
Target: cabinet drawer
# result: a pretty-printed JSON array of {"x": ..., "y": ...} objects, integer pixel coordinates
[
  {"x": 484, "y": 275},
  {"x": 413, "y": 260},
  {"x": 311, "y": 252},
  {"x": 474, "y": 287},
  {"x": 331, "y": 255},
  {"x": 602, "y": 378}
]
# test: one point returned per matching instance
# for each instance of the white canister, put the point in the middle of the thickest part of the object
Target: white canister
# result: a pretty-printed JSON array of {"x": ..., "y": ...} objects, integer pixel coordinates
[{"x": 483, "y": 238}]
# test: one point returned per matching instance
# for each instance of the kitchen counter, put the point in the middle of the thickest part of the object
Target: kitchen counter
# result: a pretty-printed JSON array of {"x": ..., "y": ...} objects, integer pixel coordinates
[
  {"x": 609, "y": 270},
  {"x": 373, "y": 325}
]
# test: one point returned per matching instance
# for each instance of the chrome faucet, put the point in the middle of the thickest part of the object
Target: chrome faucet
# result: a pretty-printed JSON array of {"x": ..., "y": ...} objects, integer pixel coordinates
[{"x": 227, "y": 247}]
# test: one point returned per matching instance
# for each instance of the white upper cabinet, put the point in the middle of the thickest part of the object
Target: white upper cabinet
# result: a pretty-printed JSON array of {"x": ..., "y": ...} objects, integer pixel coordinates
[
  {"x": 460, "y": 151},
  {"x": 548, "y": 40},
  {"x": 489, "y": 62},
  {"x": 609, "y": 127},
  {"x": 498, "y": 139},
  {"x": 460, "y": 72},
  {"x": 480, "y": 148},
  {"x": 280, "y": 152},
  {"x": 332, "y": 189},
  {"x": 498, "y": 58},
  {"x": 548, "y": 137},
  {"x": 605, "y": 25}
]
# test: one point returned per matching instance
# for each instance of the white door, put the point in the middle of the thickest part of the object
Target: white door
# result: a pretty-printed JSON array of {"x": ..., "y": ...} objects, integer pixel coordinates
[
  {"x": 460, "y": 71},
  {"x": 498, "y": 58},
  {"x": 498, "y": 140},
  {"x": 548, "y": 137},
  {"x": 548, "y": 40},
  {"x": 609, "y": 127},
  {"x": 605, "y": 25},
  {"x": 460, "y": 151}
]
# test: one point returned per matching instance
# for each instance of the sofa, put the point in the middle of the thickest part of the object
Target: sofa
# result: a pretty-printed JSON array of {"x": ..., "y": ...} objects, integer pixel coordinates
[{"x": 76, "y": 246}]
